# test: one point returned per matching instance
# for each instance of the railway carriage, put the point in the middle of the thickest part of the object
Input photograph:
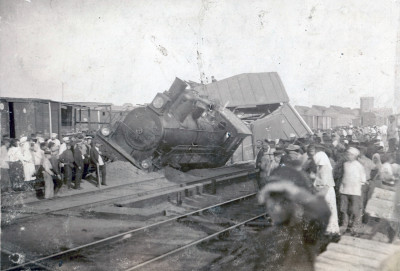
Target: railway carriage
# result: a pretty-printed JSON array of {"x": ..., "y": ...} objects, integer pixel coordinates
[{"x": 26, "y": 116}]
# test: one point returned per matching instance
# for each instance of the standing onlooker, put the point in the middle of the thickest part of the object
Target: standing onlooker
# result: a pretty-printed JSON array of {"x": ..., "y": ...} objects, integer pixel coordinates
[
  {"x": 95, "y": 156},
  {"x": 53, "y": 138},
  {"x": 324, "y": 184},
  {"x": 28, "y": 162},
  {"x": 47, "y": 174},
  {"x": 37, "y": 153},
  {"x": 63, "y": 145},
  {"x": 5, "y": 177},
  {"x": 274, "y": 164},
  {"x": 67, "y": 160},
  {"x": 86, "y": 153},
  {"x": 368, "y": 167},
  {"x": 392, "y": 134},
  {"x": 350, "y": 190},
  {"x": 16, "y": 171},
  {"x": 55, "y": 167},
  {"x": 78, "y": 160}
]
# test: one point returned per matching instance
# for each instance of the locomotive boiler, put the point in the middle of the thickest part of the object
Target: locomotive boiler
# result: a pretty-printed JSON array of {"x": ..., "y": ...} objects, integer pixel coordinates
[{"x": 178, "y": 128}]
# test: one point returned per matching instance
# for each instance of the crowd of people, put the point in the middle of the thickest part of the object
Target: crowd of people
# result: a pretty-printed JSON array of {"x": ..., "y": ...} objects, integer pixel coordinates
[
  {"x": 35, "y": 162},
  {"x": 316, "y": 188}
]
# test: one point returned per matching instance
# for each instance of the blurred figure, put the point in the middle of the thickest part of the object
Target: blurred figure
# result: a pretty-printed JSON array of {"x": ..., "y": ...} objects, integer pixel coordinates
[
  {"x": 350, "y": 190},
  {"x": 264, "y": 165},
  {"x": 275, "y": 162},
  {"x": 292, "y": 242}
]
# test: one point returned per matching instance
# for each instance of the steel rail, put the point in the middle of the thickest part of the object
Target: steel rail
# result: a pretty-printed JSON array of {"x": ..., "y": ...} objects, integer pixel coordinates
[
  {"x": 93, "y": 192},
  {"x": 194, "y": 243},
  {"x": 129, "y": 232}
]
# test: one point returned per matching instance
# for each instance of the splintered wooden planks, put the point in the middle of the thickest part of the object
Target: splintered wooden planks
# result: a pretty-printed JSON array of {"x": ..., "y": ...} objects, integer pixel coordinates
[{"x": 356, "y": 254}]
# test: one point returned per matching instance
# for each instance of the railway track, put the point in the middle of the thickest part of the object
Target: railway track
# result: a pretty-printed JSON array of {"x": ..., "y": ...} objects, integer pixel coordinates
[
  {"x": 126, "y": 192},
  {"x": 207, "y": 225},
  {"x": 89, "y": 212}
]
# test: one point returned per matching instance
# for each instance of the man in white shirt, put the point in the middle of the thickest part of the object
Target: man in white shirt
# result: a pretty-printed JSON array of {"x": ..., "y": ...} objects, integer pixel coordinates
[
  {"x": 63, "y": 146},
  {"x": 5, "y": 177},
  {"x": 351, "y": 190}
]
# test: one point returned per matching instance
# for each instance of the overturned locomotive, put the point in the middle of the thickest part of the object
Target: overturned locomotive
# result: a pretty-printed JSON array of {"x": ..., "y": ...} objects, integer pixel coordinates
[{"x": 178, "y": 128}]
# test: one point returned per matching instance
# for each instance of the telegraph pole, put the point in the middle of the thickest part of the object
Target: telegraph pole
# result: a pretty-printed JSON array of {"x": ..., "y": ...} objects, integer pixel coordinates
[{"x": 396, "y": 98}]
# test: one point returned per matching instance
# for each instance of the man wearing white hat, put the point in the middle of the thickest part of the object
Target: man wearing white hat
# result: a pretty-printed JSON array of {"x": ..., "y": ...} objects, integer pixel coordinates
[
  {"x": 353, "y": 179},
  {"x": 56, "y": 143},
  {"x": 28, "y": 160},
  {"x": 53, "y": 138}
]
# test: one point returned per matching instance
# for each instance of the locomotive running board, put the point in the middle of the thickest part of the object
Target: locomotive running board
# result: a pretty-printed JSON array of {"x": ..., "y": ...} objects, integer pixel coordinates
[{"x": 110, "y": 143}]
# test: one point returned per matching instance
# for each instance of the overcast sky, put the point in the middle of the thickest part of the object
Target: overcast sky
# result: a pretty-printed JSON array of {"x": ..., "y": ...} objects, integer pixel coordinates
[{"x": 118, "y": 51}]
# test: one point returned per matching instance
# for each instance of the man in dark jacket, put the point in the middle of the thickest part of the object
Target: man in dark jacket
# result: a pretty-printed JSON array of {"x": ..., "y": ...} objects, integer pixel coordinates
[
  {"x": 78, "y": 160},
  {"x": 67, "y": 159},
  {"x": 97, "y": 159}
]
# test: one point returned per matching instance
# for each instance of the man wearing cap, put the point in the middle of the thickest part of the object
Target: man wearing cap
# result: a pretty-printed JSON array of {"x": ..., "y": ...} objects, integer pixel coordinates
[
  {"x": 67, "y": 159},
  {"x": 95, "y": 156},
  {"x": 55, "y": 167},
  {"x": 86, "y": 145},
  {"x": 53, "y": 138},
  {"x": 47, "y": 176},
  {"x": 78, "y": 160},
  {"x": 351, "y": 190}
]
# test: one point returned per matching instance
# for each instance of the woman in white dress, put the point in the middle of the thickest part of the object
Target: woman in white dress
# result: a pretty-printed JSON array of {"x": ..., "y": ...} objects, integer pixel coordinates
[{"x": 324, "y": 184}]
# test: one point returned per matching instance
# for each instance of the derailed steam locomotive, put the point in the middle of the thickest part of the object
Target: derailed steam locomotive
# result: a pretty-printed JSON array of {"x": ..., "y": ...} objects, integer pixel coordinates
[{"x": 178, "y": 128}]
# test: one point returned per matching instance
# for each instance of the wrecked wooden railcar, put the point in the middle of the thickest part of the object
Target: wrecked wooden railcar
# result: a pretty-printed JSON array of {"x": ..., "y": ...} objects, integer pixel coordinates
[{"x": 261, "y": 101}]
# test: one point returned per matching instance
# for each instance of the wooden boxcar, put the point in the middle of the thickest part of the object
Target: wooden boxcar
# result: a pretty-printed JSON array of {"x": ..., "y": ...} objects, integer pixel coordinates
[{"x": 26, "y": 116}]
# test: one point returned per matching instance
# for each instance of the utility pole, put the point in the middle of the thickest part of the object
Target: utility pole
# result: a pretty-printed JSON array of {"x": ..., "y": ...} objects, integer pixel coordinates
[
  {"x": 62, "y": 91},
  {"x": 396, "y": 98}
]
